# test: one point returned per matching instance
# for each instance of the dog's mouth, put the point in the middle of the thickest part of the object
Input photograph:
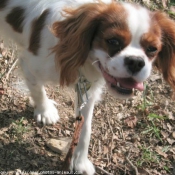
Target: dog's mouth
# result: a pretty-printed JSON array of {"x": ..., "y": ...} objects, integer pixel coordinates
[{"x": 123, "y": 86}]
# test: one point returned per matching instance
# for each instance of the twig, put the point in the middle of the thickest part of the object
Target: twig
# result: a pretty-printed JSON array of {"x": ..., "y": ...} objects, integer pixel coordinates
[
  {"x": 132, "y": 165},
  {"x": 9, "y": 71},
  {"x": 93, "y": 147},
  {"x": 111, "y": 138},
  {"x": 104, "y": 171},
  {"x": 107, "y": 155},
  {"x": 99, "y": 146},
  {"x": 75, "y": 140}
]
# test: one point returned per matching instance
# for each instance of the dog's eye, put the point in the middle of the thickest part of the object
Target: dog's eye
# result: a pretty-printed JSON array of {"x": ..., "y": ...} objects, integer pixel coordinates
[
  {"x": 113, "y": 41},
  {"x": 151, "y": 49}
]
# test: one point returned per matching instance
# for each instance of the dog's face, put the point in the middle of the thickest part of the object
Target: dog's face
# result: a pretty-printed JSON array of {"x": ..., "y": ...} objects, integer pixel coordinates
[
  {"x": 124, "y": 49},
  {"x": 123, "y": 41}
]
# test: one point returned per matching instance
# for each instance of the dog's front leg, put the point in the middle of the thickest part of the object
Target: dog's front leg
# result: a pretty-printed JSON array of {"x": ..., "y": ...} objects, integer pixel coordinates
[
  {"x": 45, "y": 110},
  {"x": 80, "y": 161}
]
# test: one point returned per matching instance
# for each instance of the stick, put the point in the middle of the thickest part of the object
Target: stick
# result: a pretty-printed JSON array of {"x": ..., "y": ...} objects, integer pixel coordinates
[
  {"x": 75, "y": 140},
  {"x": 132, "y": 165},
  {"x": 112, "y": 139},
  {"x": 102, "y": 170},
  {"x": 13, "y": 65}
]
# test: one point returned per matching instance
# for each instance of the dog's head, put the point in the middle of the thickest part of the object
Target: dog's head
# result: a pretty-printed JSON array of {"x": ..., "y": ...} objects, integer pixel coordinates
[{"x": 122, "y": 40}]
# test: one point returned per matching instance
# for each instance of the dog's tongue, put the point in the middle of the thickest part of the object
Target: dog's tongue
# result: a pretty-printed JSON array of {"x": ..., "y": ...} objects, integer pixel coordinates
[{"x": 129, "y": 83}]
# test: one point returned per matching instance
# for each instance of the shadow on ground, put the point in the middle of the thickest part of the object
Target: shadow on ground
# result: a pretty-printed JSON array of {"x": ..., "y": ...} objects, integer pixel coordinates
[{"x": 23, "y": 143}]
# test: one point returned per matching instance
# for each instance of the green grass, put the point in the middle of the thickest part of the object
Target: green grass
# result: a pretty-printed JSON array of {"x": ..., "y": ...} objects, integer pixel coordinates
[
  {"x": 19, "y": 129},
  {"x": 152, "y": 130},
  {"x": 147, "y": 157},
  {"x": 146, "y": 103},
  {"x": 153, "y": 116}
]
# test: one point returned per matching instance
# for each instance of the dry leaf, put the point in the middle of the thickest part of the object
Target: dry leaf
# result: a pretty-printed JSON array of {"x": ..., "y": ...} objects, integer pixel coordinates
[
  {"x": 155, "y": 77},
  {"x": 105, "y": 149},
  {"x": 173, "y": 96},
  {"x": 1, "y": 45},
  {"x": 1, "y": 91},
  {"x": 131, "y": 121},
  {"x": 170, "y": 141},
  {"x": 164, "y": 134},
  {"x": 169, "y": 127},
  {"x": 143, "y": 171},
  {"x": 164, "y": 3},
  {"x": 160, "y": 152},
  {"x": 173, "y": 134},
  {"x": 172, "y": 9},
  {"x": 98, "y": 112},
  {"x": 146, "y": 2}
]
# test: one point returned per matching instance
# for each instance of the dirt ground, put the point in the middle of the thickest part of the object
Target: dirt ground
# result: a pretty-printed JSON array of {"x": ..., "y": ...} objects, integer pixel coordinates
[
  {"x": 134, "y": 136},
  {"x": 128, "y": 136}
]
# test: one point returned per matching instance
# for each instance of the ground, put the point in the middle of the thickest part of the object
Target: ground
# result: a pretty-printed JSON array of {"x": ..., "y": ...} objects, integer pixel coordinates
[{"x": 134, "y": 136}]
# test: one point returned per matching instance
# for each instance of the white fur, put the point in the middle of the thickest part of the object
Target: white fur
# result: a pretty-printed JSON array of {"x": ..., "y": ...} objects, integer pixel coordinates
[{"x": 40, "y": 69}]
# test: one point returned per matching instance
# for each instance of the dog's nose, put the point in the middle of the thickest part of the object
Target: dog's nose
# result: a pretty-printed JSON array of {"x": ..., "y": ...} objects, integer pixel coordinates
[{"x": 134, "y": 64}]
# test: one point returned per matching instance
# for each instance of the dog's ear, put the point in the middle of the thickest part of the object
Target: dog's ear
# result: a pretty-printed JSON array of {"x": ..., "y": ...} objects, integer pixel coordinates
[
  {"x": 76, "y": 33},
  {"x": 166, "y": 57}
]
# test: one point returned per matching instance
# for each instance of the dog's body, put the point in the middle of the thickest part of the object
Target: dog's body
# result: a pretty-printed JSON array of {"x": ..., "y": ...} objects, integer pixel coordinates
[{"x": 105, "y": 42}]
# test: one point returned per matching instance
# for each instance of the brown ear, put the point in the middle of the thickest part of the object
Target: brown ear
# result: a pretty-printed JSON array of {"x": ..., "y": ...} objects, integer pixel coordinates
[
  {"x": 76, "y": 34},
  {"x": 166, "y": 58}
]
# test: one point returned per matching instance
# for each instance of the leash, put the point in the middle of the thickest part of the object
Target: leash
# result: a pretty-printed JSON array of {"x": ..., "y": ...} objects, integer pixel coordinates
[{"x": 81, "y": 88}]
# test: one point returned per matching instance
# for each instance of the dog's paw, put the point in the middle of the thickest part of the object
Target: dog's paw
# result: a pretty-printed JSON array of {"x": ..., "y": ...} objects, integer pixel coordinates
[
  {"x": 47, "y": 113},
  {"x": 82, "y": 166}
]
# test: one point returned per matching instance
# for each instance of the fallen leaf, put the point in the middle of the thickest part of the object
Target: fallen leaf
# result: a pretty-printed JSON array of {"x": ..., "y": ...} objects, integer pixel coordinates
[
  {"x": 105, "y": 149},
  {"x": 173, "y": 96},
  {"x": 160, "y": 152},
  {"x": 164, "y": 134},
  {"x": 143, "y": 171},
  {"x": 172, "y": 9},
  {"x": 170, "y": 141},
  {"x": 164, "y": 3},
  {"x": 131, "y": 121},
  {"x": 1, "y": 91},
  {"x": 173, "y": 134},
  {"x": 169, "y": 127},
  {"x": 146, "y": 2},
  {"x": 155, "y": 77}
]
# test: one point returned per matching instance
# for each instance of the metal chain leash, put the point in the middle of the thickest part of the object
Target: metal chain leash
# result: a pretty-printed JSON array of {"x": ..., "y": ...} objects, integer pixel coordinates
[{"x": 82, "y": 86}]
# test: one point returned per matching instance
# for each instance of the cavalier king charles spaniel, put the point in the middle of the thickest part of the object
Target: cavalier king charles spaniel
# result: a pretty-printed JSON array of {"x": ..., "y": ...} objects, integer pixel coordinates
[{"x": 110, "y": 43}]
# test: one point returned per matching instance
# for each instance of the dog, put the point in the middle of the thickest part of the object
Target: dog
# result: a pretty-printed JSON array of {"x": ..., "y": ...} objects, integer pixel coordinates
[{"x": 111, "y": 44}]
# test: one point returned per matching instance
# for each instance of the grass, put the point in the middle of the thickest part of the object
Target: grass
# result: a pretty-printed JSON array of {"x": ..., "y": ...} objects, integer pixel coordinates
[
  {"x": 145, "y": 103},
  {"x": 153, "y": 116},
  {"x": 152, "y": 130},
  {"x": 19, "y": 129},
  {"x": 147, "y": 156}
]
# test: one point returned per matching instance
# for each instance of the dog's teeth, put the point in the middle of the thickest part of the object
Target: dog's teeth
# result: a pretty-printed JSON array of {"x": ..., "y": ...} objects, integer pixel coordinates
[{"x": 118, "y": 84}]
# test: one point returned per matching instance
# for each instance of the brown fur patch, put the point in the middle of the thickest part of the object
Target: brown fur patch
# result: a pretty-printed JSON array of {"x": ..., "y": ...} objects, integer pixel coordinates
[
  {"x": 15, "y": 18},
  {"x": 152, "y": 39},
  {"x": 3, "y": 4},
  {"x": 36, "y": 29},
  {"x": 78, "y": 34},
  {"x": 114, "y": 27},
  {"x": 166, "y": 57}
]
